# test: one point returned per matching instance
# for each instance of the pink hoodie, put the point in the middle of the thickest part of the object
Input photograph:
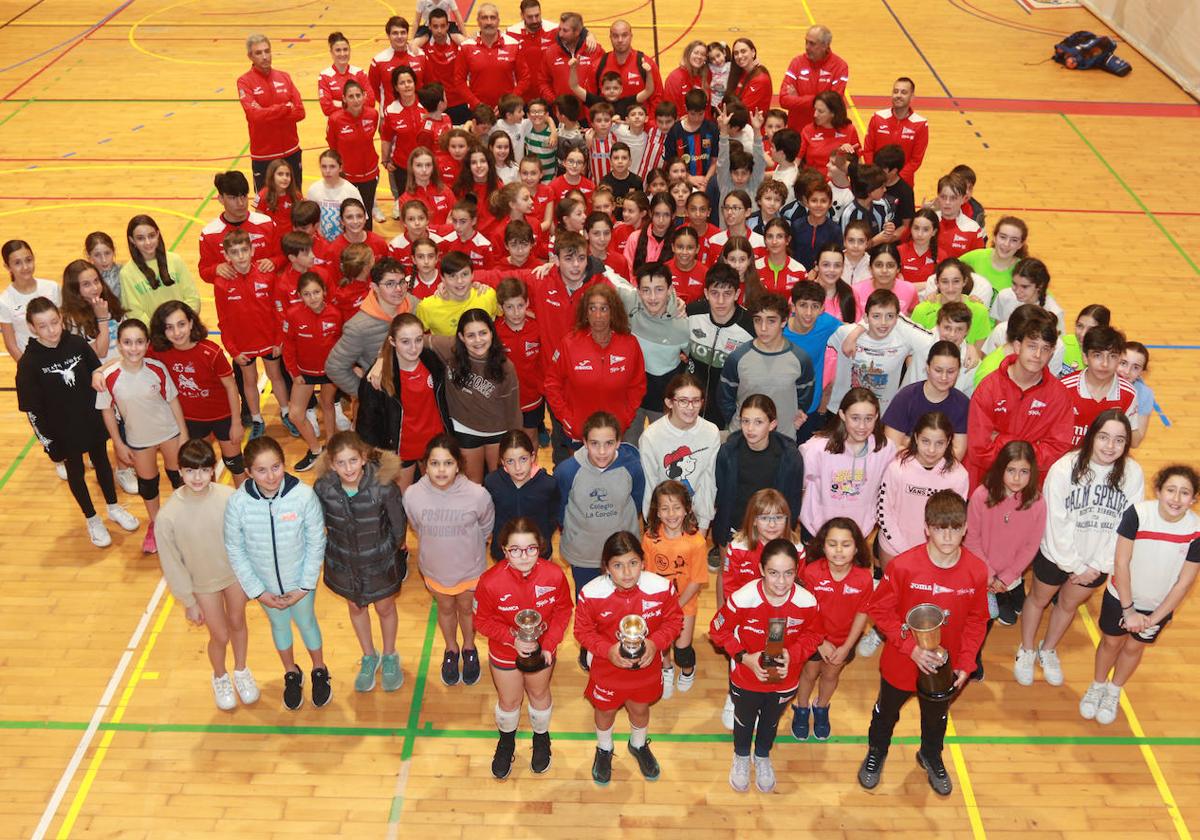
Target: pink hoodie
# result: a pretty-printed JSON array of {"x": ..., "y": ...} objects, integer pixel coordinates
[
  {"x": 453, "y": 526},
  {"x": 906, "y": 488},
  {"x": 1005, "y": 537},
  {"x": 842, "y": 485}
]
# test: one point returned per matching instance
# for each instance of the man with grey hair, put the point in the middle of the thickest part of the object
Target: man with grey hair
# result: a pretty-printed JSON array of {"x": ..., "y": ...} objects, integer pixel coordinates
[
  {"x": 489, "y": 65},
  {"x": 814, "y": 70},
  {"x": 273, "y": 109},
  {"x": 573, "y": 41}
]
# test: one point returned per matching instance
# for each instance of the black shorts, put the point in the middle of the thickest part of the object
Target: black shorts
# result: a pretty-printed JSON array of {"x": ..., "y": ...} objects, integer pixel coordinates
[
  {"x": 201, "y": 429},
  {"x": 1048, "y": 573},
  {"x": 469, "y": 441},
  {"x": 265, "y": 357},
  {"x": 534, "y": 418},
  {"x": 312, "y": 379},
  {"x": 1110, "y": 621},
  {"x": 404, "y": 465},
  {"x": 816, "y": 657}
]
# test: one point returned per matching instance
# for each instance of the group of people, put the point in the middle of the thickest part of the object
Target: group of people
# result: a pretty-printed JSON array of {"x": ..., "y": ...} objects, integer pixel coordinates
[{"x": 765, "y": 369}]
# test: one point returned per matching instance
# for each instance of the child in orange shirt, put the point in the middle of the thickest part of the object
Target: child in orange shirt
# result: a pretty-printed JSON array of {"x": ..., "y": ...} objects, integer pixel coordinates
[{"x": 676, "y": 550}]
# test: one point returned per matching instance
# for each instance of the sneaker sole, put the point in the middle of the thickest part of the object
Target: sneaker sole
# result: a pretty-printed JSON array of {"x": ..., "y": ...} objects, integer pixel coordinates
[
  {"x": 507, "y": 773},
  {"x": 327, "y": 700},
  {"x": 297, "y": 708},
  {"x": 929, "y": 775},
  {"x": 545, "y": 769},
  {"x": 771, "y": 789},
  {"x": 737, "y": 789}
]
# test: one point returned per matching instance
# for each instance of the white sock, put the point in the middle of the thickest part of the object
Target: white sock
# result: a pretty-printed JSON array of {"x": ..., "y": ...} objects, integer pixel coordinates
[
  {"x": 539, "y": 719},
  {"x": 95, "y": 517},
  {"x": 507, "y": 721},
  {"x": 604, "y": 739},
  {"x": 637, "y": 736},
  {"x": 257, "y": 418},
  {"x": 283, "y": 411}
]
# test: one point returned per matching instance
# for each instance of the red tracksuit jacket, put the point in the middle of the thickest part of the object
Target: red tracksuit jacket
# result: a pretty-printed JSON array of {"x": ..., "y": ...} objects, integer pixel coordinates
[
  {"x": 309, "y": 336},
  {"x": 330, "y": 83},
  {"x": 246, "y": 312},
  {"x": 911, "y": 134},
  {"x": 598, "y": 614},
  {"x": 804, "y": 80},
  {"x": 484, "y": 74},
  {"x": 741, "y": 625},
  {"x": 502, "y": 592},
  {"x": 264, "y": 242},
  {"x": 273, "y": 107},
  {"x": 584, "y": 378},
  {"x": 354, "y": 139}
]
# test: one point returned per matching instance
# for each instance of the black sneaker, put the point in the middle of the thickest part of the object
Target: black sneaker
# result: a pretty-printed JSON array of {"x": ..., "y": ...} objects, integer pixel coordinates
[
  {"x": 583, "y": 659},
  {"x": 307, "y": 462},
  {"x": 871, "y": 769},
  {"x": 470, "y": 669},
  {"x": 450, "y": 668},
  {"x": 541, "y": 752},
  {"x": 939, "y": 779},
  {"x": 502, "y": 759},
  {"x": 1006, "y": 615},
  {"x": 977, "y": 674},
  {"x": 322, "y": 691},
  {"x": 602, "y": 767},
  {"x": 647, "y": 763},
  {"x": 714, "y": 559},
  {"x": 293, "y": 690}
]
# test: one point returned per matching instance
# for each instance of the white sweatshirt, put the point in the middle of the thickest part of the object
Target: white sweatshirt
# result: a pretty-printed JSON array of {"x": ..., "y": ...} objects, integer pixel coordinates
[
  {"x": 1082, "y": 519},
  {"x": 689, "y": 457}
]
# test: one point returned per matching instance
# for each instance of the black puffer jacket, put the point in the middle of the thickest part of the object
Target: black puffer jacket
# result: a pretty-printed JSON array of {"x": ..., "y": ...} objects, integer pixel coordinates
[
  {"x": 380, "y": 415},
  {"x": 365, "y": 557}
]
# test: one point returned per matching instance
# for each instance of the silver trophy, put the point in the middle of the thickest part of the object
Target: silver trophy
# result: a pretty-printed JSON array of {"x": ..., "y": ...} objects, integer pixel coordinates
[
  {"x": 925, "y": 622},
  {"x": 529, "y": 628},
  {"x": 632, "y": 634}
]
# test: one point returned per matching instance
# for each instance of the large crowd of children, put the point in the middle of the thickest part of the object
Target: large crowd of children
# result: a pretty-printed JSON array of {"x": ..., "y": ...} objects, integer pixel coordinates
[{"x": 760, "y": 361}]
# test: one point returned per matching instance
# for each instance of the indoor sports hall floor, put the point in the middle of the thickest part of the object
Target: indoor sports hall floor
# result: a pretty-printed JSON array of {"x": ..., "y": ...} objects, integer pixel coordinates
[{"x": 112, "y": 108}]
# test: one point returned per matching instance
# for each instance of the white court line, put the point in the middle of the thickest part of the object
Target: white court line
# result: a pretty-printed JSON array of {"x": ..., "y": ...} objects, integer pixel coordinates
[{"x": 98, "y": 715}]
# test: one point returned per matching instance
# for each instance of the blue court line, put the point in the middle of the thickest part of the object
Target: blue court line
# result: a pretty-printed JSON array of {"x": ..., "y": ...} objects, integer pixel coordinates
[
  {"x": 1161, "y": 416},
  {"x": 913, "y": 41},
  {"x": 74, "y": 37},
  {"x": 1174, "y": 346}
]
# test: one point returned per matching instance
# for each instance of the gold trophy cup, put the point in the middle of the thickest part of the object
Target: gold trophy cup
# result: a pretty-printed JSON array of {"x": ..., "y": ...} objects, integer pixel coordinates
[
  {"x": 529, "y": 628},
  {"x": 925, "y": 622}
]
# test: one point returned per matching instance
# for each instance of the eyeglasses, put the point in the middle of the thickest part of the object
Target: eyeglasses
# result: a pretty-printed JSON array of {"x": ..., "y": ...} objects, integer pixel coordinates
[
  {"x": 516, "y": 552},
  {"x": 392, "y": 285},
  {"x": 687, "y": 401},
  {"x": 771, "y": 518}
]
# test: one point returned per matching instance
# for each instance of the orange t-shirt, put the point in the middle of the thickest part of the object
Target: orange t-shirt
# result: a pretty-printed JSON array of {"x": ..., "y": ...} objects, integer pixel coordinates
[{"x": 682, "y": 560}]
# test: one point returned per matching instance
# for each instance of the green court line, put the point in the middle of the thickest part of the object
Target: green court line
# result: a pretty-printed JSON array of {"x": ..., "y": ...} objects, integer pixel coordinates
[
  {"x": 12, "y": 468},
  {"x": 204, "y": 202},
  {"x": 1195, "y": 268},
  {"x": 429, "y": 731},
  {"x": 414, "y": 712},
  {"x": 16, "y": 111},
  {"x": 49, "y": 100}
]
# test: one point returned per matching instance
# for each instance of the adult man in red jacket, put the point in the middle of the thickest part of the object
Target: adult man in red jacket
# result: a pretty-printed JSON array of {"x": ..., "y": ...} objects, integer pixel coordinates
[
  {"x": 489, "y": 65},
  {"x": 572, "y": 40},
  {"x": 900, "y": 125},
  {"x": 627, "y": 61},
  {"x": 1021, "y": 400},
  {"x": 814, "y": 70},
  {"x": 273, "y": 109},
  {"x": 534, "y": 36}
]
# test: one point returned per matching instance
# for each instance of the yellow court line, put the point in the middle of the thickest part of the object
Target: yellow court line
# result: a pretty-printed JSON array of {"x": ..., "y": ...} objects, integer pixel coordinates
[
  {"x": 964, "y": 782},
  {"x": 42, "y": 208},
  {"x": 858, "y": 120},
  {"x": 1135, "y": 726},
  {"x": 89, "y": 777}
]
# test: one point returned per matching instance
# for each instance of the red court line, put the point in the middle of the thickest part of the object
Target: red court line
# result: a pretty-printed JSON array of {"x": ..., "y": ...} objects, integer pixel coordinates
[
  {"x": 684, "y": 33},
  {"x": 98, "y": 197},
  {"x": 99, "y": 25},
  {"x": 1086, "y": 211},
  {"x": 1040, "y": 106}
]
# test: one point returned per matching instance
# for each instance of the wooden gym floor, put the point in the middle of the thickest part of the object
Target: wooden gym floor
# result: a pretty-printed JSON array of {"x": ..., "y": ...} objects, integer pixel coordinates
[{"x": 109, "y": 110}]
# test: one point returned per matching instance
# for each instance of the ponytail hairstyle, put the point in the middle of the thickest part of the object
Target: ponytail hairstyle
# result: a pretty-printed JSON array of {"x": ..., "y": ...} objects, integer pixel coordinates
[
  {"x": 930, "y": 215},
  {"x": 622, "y": 542},
  {"x": 1035, "y": 271},
  {"x": 1019, "y": 224},
  {"x": 164, "y": 277},
  {"x": 387, "y": 373}
]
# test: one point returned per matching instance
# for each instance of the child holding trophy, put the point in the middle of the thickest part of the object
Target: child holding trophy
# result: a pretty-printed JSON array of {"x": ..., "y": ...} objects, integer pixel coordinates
[
  {"x": 769, "y": 627},
  {"x": 522, "y": 606},
  {"x": 931, "y": 607},
  {"x": 624, "y": 620}
]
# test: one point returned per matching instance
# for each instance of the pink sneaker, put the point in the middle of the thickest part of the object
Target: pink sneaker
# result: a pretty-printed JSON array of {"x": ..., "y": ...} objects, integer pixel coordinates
[{"x": 149, "y": 545}]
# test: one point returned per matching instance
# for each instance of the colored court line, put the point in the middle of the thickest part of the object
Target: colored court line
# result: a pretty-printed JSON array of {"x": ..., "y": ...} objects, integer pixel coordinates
[
  {"x": 94, "y": 28},
  {"x": 12, "y": 468},
  {"x": 212, "y": 192},
  {"x": 1149, "y": 213},
  {"x": 410, "y": 731},
  {"x": 1135, "y": 726},
  {"x": 17, "y": 110},
  {"x": 22, "y": 13},
  {"x": 1044, "y": 106},
  {"x": 1091, "y": 212},
  {"x": 964, "y": 782}
]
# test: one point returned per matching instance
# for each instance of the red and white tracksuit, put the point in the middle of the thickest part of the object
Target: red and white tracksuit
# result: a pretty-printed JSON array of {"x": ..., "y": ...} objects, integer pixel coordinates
[
  {"x": 502, "y": 592},
  {"x": 741, "y": 625}
]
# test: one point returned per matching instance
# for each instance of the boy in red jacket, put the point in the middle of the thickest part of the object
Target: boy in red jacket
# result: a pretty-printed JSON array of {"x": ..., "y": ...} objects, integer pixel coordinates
[
  {"x": 1021, "y": 400},
  {"x": 943, "y": 573}
]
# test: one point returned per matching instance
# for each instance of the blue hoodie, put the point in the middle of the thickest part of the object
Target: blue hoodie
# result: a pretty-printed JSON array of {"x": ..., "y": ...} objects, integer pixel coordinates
[{"x": 594, "y": 504}]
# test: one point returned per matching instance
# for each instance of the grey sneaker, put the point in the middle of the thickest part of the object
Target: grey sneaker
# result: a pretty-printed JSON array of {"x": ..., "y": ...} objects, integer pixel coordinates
[
  {"x": 739, "y": 773},
  {"x": 764, "y": 774},
  {"x": 871, "y": 769},
  {"x": 393, "y": 676},
  {"x": 367, "y": 669}
]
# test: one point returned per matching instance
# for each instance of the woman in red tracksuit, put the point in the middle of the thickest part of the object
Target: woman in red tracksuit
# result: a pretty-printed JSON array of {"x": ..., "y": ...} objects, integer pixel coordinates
[
  {"x": 740, "y": 627},
  {"x": 522, "y": 580},
  {"x": 351, "y": 133},
  {"x": 939, "y": 572},
  {"x": 614, "y": 680},
  {"x": 310, "y": 329},
  {"x": 597, "y": 366}
]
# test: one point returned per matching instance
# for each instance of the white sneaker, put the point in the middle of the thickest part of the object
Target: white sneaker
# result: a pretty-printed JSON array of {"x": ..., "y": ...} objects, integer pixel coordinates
[
  {"x": 311, "y": 416},
  {"x": 1091, "y": 700},
  {"x": 1106, "y": 712},
  {"x": 340, "y": 419},
  {"x": 685, "y": 682},
  {"x": 98, "y": 533},
  {"x": 869, "y": 643},
  {"x": 1023, "y": 669},
  {"x": 739, "y": 773},
  {"x": 61, "y": 468},
  {"x": 764, "y": 774},
  {"x": 668, "y": 678},
  {"x": 122, "y": 517},
  {"x": 379, "y": 214},
  {"x": 396, "y": 209},
  {"x": 223, "y": 692},
  {"x": 1051, "y": 667},
  {"x": 247, "y": 688},
  {"x": 127, "y": 480},
  {"x": 727, "y": 713}
]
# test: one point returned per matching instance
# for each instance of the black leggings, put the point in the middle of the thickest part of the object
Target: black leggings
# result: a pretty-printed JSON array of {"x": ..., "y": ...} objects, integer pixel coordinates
[
  {"x": 98, "y": 454},
  {"x": 763, "y": 707},
  {"x": 887, "y": 712}
]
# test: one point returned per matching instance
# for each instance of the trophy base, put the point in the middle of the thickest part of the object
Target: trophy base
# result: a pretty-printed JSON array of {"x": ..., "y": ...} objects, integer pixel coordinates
[
  {"x": 531, "y": 664},
  {"x": 634, "y": 655},
  {"x": 937, "y": 687}
]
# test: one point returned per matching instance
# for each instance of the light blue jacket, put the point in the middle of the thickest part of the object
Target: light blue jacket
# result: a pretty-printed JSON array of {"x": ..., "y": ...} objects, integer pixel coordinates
[{"x": 275, "y": 545}]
